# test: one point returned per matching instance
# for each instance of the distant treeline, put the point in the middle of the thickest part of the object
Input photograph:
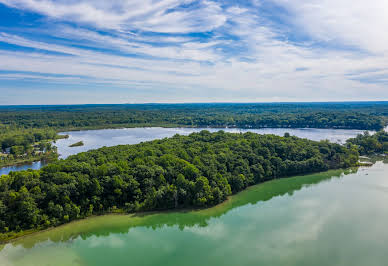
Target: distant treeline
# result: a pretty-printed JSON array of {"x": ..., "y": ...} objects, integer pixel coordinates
[
  {"x": 198, "y": 170},
  {"x": 366, "y": 116}
]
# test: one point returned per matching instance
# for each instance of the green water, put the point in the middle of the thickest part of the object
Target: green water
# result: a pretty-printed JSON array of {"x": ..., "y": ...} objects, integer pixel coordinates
[{"x": 332, "y": 218}]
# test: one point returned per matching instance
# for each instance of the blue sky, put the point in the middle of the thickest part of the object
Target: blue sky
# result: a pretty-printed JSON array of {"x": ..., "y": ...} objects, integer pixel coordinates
[{"x": 134, "y": 51}]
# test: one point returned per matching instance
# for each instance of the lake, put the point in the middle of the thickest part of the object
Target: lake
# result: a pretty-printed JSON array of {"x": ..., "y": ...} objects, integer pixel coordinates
[
  {"x": 94, "y": 139},
  {"x": 331, "y": 218},
  {"x": 33, "y": 165}
]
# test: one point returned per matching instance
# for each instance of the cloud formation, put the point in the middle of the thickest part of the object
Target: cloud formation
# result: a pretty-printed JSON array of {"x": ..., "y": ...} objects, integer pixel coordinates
[
  {"x": 184, "y": 51},
  {"x": 168, "y": 16}
]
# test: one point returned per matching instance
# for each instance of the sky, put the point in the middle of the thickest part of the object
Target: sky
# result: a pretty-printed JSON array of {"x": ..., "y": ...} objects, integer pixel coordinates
[{"x": 136, "y": 51}]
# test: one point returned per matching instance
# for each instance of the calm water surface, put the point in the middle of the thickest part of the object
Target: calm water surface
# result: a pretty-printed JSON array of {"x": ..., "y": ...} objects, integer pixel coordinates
[
  {"x": 330, "y": 218},
  {"x": 34, "y": 166},
  {"x": 94, "y": 139}
]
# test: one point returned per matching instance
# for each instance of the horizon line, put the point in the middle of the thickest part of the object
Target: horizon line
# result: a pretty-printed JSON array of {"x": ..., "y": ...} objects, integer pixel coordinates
[{"x": 178, "y": 103}]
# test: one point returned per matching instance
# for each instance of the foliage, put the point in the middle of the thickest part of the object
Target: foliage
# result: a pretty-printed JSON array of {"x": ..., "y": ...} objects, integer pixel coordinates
[
  {"x": 77, "y": 144},
  {"x": 367, "y": 116},
  {"x": 27, "y": 145},
  {"x": 371, "y": 144},
  {"x": 23, "y": 127},
  {"x": 198, "y": 170},
  {"x": 21, "y": 140}
]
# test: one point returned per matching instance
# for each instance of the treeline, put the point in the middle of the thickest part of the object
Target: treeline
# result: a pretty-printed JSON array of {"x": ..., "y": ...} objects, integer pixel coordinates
[
  {"x": 371, "y": 144},
  {"x": 198, "y": 170},
  {"x": 183, "y": 220},
  {"x": 21, "y": 140},
  {"x": 367, "y": 116}
]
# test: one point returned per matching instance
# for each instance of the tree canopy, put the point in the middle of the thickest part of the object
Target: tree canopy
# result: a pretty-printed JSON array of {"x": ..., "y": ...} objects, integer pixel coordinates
[
  {"x": 371, "y": 144},
  {"x": 366, "y": 116},
  {"x": 198, "y": 170}
]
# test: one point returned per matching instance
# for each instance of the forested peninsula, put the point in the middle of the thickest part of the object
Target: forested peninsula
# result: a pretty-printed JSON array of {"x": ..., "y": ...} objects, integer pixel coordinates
[{"x": 198, "y": 170}]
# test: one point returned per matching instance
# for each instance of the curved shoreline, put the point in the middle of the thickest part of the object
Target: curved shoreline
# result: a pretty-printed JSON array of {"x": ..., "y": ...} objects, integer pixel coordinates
[
  {"x": 63, "y": 134},
  {"x": 320, "y": 176}
]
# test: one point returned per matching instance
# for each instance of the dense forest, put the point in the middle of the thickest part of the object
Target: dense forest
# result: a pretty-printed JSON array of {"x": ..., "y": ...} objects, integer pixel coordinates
[
  {"x": 366, "y": 116},
  {"x": 371, "y": 144},
  {"x": 200, "y": 218},
  {"x": 198, "y": 170}
]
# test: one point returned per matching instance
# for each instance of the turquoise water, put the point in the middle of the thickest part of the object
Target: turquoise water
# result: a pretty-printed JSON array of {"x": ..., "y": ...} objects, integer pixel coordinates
[{"x": 329, "y": 218}]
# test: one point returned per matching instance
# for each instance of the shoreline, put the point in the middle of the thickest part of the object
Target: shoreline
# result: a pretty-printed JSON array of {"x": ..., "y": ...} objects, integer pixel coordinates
[
  {"x": 29, "y": 161},
  {"x": 121, "y": 212},
  {"x": 62, "y": 133},
  {"x": 74, "y": 129}
]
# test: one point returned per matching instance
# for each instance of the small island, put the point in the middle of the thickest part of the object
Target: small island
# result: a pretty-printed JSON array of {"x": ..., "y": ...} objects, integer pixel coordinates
[
  {"x": 196, "y": 171},
  {"x": 77, "y": 144}
]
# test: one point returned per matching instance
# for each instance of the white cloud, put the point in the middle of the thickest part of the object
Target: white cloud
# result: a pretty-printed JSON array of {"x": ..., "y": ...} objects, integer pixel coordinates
[
  {"x": 244, "y": 58},
  {"x": 111, "y": 241},
  {"x": 214, "y": 230},
  {"x": 124, "y": 15},
  {"x": 359, "y": 23}
]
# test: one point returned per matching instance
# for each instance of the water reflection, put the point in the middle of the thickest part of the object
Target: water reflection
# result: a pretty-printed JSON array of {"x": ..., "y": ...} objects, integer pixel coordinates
[
  {"x": 33, "y": 166},
  {"x": 320, "y": 219},
  {"x": 121, "y": 224}
]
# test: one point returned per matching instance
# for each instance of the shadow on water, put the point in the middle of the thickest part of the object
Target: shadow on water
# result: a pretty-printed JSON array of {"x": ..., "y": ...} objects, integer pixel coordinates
[{"x": 121, "y": 224}]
